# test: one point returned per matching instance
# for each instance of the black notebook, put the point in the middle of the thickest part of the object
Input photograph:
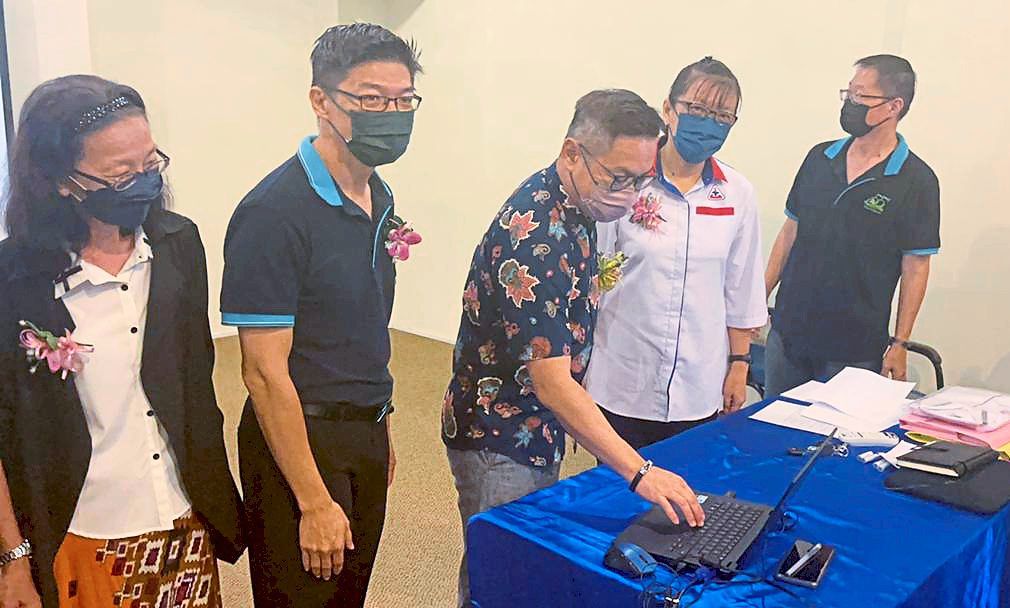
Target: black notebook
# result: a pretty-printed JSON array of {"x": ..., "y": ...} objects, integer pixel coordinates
[
  {"x": 985, "y": 491},
  {"x": 947, "y": 458}
]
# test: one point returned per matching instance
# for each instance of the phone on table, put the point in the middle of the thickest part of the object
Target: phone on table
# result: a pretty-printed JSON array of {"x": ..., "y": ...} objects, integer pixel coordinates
[{"x": 805, "y": 564}]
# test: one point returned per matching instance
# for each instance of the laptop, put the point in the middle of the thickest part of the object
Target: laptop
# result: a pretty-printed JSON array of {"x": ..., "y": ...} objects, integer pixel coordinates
[{"x": 731, "y": 527}]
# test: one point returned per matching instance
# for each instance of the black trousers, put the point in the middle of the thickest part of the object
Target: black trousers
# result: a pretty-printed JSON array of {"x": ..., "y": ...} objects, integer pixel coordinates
[
  {"x": 352, "y": 458},
  {"x": 640, "y": 433}
]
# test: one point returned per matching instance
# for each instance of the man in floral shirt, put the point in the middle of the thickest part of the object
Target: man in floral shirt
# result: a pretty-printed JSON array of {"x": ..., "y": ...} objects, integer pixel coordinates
[{"x": 529, "y": 308}]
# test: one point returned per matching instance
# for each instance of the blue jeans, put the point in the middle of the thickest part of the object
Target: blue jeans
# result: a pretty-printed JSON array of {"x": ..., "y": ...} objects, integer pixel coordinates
[
  {"x": 784, "y": 371},
  {"x": 486, "y": 479}
]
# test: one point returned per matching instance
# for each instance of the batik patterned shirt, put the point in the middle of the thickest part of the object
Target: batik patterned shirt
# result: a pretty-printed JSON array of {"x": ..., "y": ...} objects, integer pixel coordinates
[{"x": 531, "y": 294}]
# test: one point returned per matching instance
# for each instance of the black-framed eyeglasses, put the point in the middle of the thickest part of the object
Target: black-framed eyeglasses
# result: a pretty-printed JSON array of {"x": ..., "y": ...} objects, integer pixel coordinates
[
  {"x": 702, "y": 111},
  {"x": 126, "y": 181},
  {"x": 380, "y": 103},
  {"x": 617, "y": 182},
  {"x": 847, "y": 95}
]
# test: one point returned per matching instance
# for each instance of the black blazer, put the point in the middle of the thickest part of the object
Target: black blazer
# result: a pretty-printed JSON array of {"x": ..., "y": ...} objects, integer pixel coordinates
[{"x": 45, "y": 446}]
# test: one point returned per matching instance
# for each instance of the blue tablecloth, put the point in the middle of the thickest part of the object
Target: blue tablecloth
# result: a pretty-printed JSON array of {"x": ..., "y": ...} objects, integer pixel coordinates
[{"x": 892, "y": 550}]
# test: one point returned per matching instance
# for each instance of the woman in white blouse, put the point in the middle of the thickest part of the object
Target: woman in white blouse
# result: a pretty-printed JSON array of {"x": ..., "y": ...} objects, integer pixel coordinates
[
  {"x": 672, "y": 340},
  {"x": 112, "y": 463}
]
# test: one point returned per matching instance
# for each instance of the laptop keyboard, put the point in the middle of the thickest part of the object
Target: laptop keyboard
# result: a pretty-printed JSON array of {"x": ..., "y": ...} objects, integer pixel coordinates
[{"x": 726, "y": 524}]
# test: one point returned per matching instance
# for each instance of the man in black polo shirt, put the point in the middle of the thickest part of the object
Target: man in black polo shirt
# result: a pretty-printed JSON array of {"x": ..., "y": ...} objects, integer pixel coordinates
[
  {"x": 309, "y": 282},
  {"x": 863, "y": 211}
]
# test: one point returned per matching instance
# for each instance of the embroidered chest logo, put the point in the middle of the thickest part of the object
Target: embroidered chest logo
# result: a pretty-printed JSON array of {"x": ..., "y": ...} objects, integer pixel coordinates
[
  {"x": 715, "y": 194},
  {"x": 877, "y": 203}
]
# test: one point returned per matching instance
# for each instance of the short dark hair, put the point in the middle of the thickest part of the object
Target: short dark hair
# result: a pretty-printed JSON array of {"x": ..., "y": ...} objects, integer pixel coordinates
[
  {"x": 604, "y": 115},
  {"x": 48, "y": 144},
  {"x": 717, "y": 76},
  {"x": 895, "y": 77},
  {"x": 342, "y": 47}
]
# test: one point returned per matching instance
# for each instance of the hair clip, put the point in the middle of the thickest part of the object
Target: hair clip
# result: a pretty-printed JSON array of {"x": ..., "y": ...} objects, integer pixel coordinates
[{"x": 94, "y": 115}]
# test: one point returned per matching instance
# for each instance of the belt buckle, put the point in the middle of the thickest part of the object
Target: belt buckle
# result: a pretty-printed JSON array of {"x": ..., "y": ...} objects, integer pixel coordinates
[{"x": 386, "y": 410}]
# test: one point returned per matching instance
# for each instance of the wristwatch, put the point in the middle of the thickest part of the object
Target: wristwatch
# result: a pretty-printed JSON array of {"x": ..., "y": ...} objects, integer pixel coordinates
[
  {"x": 641, "y": 473},
  {"x": 898, "y": 342},
  {"x": 745, "y": 358},
  {"x": 21, "y": 551}
]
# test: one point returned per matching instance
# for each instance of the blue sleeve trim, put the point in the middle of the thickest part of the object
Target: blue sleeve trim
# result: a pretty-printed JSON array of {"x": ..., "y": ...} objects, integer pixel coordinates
[
  {"x": 930, "y": 251},
  {"x": 245, "y": 320},
  {"x": 792, "y": 216}
]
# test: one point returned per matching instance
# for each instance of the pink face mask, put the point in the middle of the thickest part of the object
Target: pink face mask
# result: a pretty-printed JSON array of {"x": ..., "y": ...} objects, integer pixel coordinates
[{"x": 606, "y": 206}]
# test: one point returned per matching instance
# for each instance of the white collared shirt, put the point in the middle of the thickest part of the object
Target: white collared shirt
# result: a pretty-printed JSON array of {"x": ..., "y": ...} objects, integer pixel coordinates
[
  {"x": 661, "y": 341},
  {"x": 133, "y": 483}
]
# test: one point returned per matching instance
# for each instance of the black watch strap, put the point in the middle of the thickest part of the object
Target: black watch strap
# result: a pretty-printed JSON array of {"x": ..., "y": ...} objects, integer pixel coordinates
[
  {"x": 641, "y": 473},
  {"x": 745, "y": 358}
]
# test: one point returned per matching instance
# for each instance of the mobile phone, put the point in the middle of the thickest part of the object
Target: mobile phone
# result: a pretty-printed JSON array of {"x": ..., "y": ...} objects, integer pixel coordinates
[{"x": 805, "y": 564}]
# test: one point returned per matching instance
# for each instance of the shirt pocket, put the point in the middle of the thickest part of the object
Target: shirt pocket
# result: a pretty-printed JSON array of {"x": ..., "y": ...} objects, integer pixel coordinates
[{"x": 712, "y": 231}]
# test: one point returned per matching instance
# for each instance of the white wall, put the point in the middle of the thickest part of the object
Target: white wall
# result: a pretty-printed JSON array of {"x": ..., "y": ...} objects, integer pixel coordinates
[
  {"x": 227, "y": 85},
  {"x": 45, "y": 39},
  {"x": 31, "y": 27},
  {"x": 502, "y": 79},
  {"x": 227, "y": 82}
]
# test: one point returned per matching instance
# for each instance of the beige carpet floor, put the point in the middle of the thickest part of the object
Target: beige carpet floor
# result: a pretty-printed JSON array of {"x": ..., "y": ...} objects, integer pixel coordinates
[{"x": 422, "y": 543}]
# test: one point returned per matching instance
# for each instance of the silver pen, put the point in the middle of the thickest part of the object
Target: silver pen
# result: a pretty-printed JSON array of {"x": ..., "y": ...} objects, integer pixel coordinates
[{"x": 804, "y": 559}]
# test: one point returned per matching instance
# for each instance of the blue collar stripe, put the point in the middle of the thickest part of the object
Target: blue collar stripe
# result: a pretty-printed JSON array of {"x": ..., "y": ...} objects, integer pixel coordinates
[
  {"x": 894, "y": 164},
  {"x": 319, "y": 177},
  {"x": 836, "y": 147},
  {"x": 898, "y": 157},
  {"x": 662, "y": 178},
  {"x": 707, "y": 175}
]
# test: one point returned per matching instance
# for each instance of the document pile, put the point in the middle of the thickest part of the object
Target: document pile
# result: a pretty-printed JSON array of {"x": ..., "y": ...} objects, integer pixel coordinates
[
  {"x": 854, "y": 400},
  {"x": 964, "y": 415},
  {"x": 859, "y": 400}
]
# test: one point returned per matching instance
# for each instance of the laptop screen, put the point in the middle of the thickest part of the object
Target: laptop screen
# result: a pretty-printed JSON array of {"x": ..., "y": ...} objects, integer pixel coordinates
[{"x": 795, "y": 483}]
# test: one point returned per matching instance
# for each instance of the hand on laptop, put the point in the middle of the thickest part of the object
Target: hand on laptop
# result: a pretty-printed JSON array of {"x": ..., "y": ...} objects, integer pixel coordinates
[{"x": 672, "y": 494}]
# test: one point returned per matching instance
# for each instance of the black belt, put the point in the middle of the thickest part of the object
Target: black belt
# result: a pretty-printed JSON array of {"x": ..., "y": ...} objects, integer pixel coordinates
[{"x": 347, "y": 411}]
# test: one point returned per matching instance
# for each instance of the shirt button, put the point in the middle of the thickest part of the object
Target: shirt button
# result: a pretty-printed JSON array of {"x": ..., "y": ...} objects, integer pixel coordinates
[
  {"x": 125, "y": 287},
  {"x": 150, "y": 412},
  {"x": 157, "y": 456},
  {"x": 134, "y": 330}
]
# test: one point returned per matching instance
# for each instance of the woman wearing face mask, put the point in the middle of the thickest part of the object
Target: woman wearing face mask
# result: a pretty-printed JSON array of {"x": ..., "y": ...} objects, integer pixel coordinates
[
  {"x": 114, "y": 485},
  {"x": 673, "y": 337}
]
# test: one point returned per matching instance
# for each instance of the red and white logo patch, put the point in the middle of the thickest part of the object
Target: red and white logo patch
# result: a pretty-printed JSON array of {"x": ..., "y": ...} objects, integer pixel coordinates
[{"x": 715, "y": 194}]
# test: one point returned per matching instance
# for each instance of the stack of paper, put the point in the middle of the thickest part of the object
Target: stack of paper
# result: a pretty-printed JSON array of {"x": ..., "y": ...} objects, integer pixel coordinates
[
  {"x": 805, "y": 392},
  {"x": 859, "y": 400},
  {"x": 790, "y": 415}
]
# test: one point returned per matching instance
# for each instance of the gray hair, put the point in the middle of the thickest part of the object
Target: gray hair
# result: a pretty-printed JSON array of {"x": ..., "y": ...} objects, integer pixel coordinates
[{"x": 604, "y": 115}]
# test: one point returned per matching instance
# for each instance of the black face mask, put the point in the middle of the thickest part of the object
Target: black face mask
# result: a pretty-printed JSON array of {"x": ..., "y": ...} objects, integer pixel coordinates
[
  {"x": 127, "y": 209},
  {"x": 853, "y": 118}
]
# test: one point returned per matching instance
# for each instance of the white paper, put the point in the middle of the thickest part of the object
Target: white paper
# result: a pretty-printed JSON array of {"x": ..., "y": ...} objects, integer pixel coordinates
[
  {"x": 892, "y": 455},
  {"x": 825, "y": 413},
  {"x": 864, "y": 394},
  {"x": 805, "y": 392},
  {"x": 790, "y": 415}
]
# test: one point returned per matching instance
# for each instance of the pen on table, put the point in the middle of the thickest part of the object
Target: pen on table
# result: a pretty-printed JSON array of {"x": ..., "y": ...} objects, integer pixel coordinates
[{"x": 802, "y": 561}]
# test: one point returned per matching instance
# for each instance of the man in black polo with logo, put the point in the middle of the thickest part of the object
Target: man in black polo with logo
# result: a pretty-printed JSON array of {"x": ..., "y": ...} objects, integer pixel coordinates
[
  {"x": 863, "y": 212},
  {"x": 309, "y": 281}
]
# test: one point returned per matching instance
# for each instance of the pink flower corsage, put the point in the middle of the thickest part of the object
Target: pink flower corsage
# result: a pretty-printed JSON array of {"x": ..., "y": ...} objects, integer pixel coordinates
[
  {"x": 399, "y": 239},
  {"x": 645, "y": 212},
  {"x": 61, "y": 353}
]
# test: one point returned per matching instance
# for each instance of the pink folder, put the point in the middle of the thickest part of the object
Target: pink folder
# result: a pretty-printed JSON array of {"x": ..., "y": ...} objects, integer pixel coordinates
[{"x": 954, "y": 432}]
